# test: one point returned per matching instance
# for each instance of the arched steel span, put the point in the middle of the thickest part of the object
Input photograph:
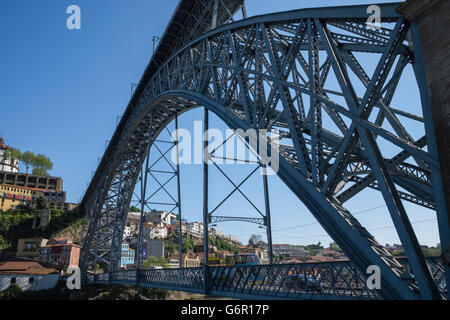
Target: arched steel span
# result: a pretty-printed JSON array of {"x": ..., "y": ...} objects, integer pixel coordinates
[{"x": 253, "y": 74}]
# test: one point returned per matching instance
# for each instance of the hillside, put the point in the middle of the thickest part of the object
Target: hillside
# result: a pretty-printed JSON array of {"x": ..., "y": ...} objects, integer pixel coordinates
[{"x": 15, "y": 225}]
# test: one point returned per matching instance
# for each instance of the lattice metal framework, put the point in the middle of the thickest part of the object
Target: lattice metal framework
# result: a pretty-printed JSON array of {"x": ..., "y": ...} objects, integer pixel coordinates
[
  {"x": 328, "y": 280},
  {"x": 272, "y": 71}
]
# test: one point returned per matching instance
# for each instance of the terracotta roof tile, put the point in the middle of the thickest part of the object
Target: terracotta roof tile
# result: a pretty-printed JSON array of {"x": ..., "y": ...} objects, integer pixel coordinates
[{"x": 24, "y": 267}]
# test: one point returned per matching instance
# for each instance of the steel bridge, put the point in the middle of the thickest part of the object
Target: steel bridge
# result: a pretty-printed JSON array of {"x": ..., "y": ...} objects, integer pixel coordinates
[
  {"x": 312, "y": 281},
  {"x": 273, "y": 72}
]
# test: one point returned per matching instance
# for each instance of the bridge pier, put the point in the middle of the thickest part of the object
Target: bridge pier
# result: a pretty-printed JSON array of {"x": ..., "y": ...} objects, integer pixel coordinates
[{"x": 431, "y": 19}]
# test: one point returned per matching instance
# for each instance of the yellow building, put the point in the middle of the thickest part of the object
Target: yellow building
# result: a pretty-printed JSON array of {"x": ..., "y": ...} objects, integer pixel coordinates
[
  {"x": 30, "y": 248},
  {"x": 12, "y": 196}
]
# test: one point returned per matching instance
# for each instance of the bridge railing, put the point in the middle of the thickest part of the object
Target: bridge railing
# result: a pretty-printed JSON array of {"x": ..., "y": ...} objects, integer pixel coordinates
[
  {"x": 184, "y": 279},
  {"x": 338, "y": 280},
  {"x": 327, "y": 280},
  {"x": 128, "y": 276}
]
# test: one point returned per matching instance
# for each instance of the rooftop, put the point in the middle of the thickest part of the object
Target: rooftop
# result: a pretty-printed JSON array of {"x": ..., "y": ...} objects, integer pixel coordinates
[
  {"x": 24, "y": 267},
  {"x": 3, "y": 145}
]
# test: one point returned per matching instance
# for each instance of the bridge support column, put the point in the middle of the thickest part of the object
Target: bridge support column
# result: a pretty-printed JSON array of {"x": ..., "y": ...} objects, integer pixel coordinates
[
  {"x": 180, "y": 229},
  {"x": 267, "y": 218},
  {"x": 207, "y": 280},
  {"x": 430, "y": 32},
  {"x": 205, "y": 189}
]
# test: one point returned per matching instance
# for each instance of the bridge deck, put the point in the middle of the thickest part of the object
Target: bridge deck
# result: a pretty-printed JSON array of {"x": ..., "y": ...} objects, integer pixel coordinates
[{"x": 324, "y": 281}]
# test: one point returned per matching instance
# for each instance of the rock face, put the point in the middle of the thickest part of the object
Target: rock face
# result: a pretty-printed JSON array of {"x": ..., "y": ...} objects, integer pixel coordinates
[{"x": 73, "y": 233}]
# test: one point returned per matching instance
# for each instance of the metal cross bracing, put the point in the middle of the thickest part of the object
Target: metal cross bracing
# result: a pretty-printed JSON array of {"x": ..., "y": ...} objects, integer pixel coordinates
[
  {"x": 259, "y": 166},
  {"x": 324, "y": 280},
  {"x": 303, "y": 72},
  {"x": 161, "y": 172}
]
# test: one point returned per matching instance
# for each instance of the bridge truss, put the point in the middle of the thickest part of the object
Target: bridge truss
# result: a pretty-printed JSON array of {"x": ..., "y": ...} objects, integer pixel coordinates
[{"x": 303, "y": 73}]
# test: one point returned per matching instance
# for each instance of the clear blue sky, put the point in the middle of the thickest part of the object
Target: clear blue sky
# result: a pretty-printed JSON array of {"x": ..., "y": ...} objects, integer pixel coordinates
[{"x": 62, "y": 90}]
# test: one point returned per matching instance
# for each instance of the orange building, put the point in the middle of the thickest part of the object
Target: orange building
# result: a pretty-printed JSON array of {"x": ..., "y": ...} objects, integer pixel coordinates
[{"x": 61, "y": 253}]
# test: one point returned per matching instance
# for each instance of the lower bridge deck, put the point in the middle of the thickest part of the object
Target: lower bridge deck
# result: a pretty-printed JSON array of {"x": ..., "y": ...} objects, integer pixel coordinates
[{"x": 322, "y": 281}]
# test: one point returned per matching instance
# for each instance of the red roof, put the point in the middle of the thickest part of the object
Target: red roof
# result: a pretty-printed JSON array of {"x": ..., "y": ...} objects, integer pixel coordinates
[{"x": 24, "y": 267}]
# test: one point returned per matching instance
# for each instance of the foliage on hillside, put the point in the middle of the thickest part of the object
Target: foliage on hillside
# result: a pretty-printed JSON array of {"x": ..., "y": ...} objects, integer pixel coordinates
[
  {"x": 223, "y": 245},
  {"x": 18, "y": 224},
  {"x": 154, "y": 262},
  {"x": 171, "y": 244}
]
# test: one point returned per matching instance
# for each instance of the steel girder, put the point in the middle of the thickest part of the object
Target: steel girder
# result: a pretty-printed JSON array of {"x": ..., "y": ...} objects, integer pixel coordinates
[
  {"x": 326, "y": 280},
  {"x": 253, "y": 74}
]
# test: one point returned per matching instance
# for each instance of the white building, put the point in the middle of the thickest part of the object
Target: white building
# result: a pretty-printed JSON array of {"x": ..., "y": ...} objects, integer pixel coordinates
[
  {"x": 231, "y": 239},
  {"x": 216, "y": 233},
  {"x": 157, "y": 232},
  {"x": 27, "y": 275},
  {"x": 195, "y": 228},
  {"x": 126, "y": 232},
  {"x": 161, "y": 218},
  {"x": 7, "y": 165}
]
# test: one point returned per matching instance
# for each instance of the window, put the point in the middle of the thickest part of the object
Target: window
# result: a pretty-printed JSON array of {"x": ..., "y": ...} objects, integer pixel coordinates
[
  {"x": 13, "y": 280},
  {"x": 31, "y": 280}
]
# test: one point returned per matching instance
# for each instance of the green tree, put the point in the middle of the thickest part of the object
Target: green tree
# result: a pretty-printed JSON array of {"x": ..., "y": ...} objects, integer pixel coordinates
[
  {"x": 154, "y": 262},
  {"x": 188, "y": 245},
  {"x": 27, "y": 158},
  {"x": 170, "y": 248},
  {"x": 134, "y": 209},
  {"x": 41, "y": 165}
]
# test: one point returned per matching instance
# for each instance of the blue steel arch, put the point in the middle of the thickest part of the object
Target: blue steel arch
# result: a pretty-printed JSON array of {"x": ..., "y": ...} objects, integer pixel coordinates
[{"x": 223, "y": 69}]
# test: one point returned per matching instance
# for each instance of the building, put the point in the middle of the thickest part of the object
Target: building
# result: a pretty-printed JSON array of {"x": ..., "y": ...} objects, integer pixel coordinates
[
  {"x": 157, "y": 232},
  {"x": 256, "y": 238},
  {"x": 191, "y": 262},
  {"x": 260, "y": 252},
  {"x": 27, "y": 275},
  {"x": 6, "y": 163},
  {"x": 176, "y": 226},
  {"x": 195, "y": 228},
  {"x": 127, "y": 256},
  {"x": 20, "y": 189},
  {"x": 161, "y": 218},
  {"x": 289, "y": 250},
  {"x": 30, "y": 248},
  {"x": 12, "y": 197},
  {"x": 153, "y": 248},
  {"x": 216, "y": 233},
  {"x": 61, "y": 253},
  {"x": 158, "y": 218},
  {"x": 16, "y": 179},
  {"x": 126, "y": 232},
  {"x": 232, "y": 239}
]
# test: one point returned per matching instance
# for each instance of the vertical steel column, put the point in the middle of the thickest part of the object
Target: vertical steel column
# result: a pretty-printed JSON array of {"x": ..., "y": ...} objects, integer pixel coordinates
[
  {"x": 205, "y": 188},
  {"x": 214, "y": 16},
  {"x": 267, "y": 218},
  {"x": 141, "y": 218},
  {"x": 144, "y": 175},
  {"x": 180, "y": 229},
  {"x": 244, "y": 10}
]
